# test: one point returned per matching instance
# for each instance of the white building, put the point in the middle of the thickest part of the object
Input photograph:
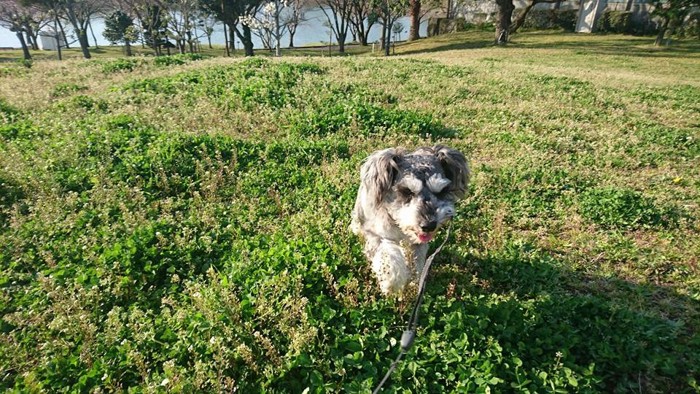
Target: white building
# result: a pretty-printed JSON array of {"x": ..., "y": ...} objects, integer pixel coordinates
[{"x": 48, "y": 42}]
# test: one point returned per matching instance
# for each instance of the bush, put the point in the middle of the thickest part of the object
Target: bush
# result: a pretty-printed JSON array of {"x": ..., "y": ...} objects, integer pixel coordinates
[
  {"x": 551, "y": 19},
  {"x": 166, "y": 61},
  {"x": 120, "y": 65},
  {"x": 618, "y": 22}
]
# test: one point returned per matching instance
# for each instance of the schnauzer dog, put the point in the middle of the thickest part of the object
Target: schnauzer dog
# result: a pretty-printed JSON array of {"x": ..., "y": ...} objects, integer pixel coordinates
[{"x": 403, "y": 199}]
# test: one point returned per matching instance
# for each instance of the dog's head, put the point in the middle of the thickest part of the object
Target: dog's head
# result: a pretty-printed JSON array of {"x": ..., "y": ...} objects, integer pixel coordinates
[{"x": 418, "y": 189}]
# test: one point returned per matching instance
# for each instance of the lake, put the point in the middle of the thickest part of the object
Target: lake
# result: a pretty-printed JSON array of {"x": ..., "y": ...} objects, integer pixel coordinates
[{"x": 312, "y": 31}]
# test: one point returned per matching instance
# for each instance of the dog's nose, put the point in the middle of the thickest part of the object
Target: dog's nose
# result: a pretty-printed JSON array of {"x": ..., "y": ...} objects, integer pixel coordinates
[{"x": 429, "y": 227}]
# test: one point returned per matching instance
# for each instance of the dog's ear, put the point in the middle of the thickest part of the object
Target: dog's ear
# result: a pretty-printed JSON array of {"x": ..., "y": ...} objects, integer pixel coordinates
[
  {"x": 378, "y": 173},
  {"x": 454, "y": 164}
]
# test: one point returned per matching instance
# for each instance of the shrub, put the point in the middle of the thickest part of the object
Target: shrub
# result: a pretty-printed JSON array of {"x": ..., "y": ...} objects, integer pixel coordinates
[
  {"x": 551, "y": 19},
  {"x": 166, "y": 61},
  {"x": 22, "y": 129},
  {"x": 625, "y": 22},
  {"x": 120, "y": 65}
]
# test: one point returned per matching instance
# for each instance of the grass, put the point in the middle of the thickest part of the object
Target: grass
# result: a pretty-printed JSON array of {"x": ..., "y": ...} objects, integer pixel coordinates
[{"x": 182, "y": 225}]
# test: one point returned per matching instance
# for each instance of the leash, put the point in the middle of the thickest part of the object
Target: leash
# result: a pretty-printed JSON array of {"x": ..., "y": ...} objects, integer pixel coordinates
[{"x": 409, "y": 335}]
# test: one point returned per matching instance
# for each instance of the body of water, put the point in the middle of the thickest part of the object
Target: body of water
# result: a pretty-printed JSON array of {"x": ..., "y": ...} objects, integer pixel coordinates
[{"x": 312, "y": 31}]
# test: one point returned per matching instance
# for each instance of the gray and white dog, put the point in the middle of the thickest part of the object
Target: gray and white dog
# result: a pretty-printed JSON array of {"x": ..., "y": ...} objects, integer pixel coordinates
[{"x": 403, "y": 199}]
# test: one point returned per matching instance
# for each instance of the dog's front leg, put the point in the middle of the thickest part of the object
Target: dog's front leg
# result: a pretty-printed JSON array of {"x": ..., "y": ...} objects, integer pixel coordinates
[{"x": 389, "y": 265}]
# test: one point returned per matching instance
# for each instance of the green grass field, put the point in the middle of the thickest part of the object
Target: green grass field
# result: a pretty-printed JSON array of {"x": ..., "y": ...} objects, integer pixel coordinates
[{"x": 181, "y": 225}]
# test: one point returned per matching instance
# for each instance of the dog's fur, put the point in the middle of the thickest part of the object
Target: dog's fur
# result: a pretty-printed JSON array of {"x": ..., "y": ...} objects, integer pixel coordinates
[{"x": 403, "y": 199}]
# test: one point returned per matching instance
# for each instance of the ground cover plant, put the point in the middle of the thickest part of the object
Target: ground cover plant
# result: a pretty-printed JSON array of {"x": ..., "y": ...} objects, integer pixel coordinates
[{"x": 182, "y": 226}]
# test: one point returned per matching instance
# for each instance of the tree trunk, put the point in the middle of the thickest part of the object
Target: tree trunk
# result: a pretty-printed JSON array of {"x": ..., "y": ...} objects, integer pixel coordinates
[
  {"x": 414, "y": 32},
  {"x": 278, "y": 36},
  {"x": 84, "y": 44},
  {"x": 28, "y": 40},
  {"x": 520, "y": 19},
  {"x": 383, "y": 37},
  {"x": 662, "y": 31},
  {"x": 247, "y": 41},
  {"x": 364, "y": 35},
  {"x": 31, "y": 37},
  {"x": 93, "y": 34},
  {"x": 57, "y": 37},
  {"x": 291, "y": 38},
  {"x": 232, "y": 37},
  {"x": 35, "y": 40},
  {"x": 341, "y": 42},
  {"x": 387, "y": 37},
  {"x": 58, "y": 46},
  {"x": 25, "y": 48},
  {"x": 505, "y": 13},
  {"x": 226, "y": 41},
  {"x": 190, "y": 41},
  {"x": 127, "y": 48},
  {"x": 63, "y": 32}
]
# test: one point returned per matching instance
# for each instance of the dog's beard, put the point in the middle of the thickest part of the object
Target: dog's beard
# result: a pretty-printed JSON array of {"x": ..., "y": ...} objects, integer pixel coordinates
[{"x": 409, "y": 220}]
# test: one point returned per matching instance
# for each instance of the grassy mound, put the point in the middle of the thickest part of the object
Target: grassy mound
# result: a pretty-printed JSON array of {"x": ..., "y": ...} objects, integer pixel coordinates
[{"x": 183, "y": 226}]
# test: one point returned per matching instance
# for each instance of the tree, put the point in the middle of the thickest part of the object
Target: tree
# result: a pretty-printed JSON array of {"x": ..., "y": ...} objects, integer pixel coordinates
[
  {"x": 388, "y": 11},
  {"x": 503, "y": 19},
  {"x": 414, "y": 13},
  {"x": 53, "y": 12},
  {"x": 13, "y": 17},
  {"x": 397, "y": 29},
  {"x": 119, "y": 27},
  {"x": 152, "y": 20},
  {"x": 230, "y": 12},
  {"x": 154, "y": 27},
  {"x": 206, "y": 22},
  {"x": 267, "y": 25},
  {"x": 294, "y": 17},
  {"x": 362, "y": 11},
  {"x": 78, "y": 13},
  {"x": 673, "y": 14},
  {"x": 418, "y": 9},
  {"x": 520, "y": 19},
  {"x": 337, "y": 14},
  {"x": 35, "y": 19},
  {"x": 181, "y": 22}
]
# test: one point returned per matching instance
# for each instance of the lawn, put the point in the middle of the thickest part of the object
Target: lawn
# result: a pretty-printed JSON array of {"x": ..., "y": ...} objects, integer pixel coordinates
[{"x": 181, "y": 224}]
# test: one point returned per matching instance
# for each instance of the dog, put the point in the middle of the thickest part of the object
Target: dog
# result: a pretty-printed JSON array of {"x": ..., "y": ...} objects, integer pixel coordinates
[{"x": 403, "y": 200}]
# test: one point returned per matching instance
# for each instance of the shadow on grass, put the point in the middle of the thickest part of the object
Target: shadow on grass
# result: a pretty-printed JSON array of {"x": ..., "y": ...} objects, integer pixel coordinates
[
  {"x": 638, "y": 337},
  {"x": 450, "y": 46},
  {"x": 618, "y": 45}
]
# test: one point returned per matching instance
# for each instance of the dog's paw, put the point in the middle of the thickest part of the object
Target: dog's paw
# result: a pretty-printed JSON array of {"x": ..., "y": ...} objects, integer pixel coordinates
[
  {"x": 389, "y": 265},
  {"x": 355, "y": 226}
]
